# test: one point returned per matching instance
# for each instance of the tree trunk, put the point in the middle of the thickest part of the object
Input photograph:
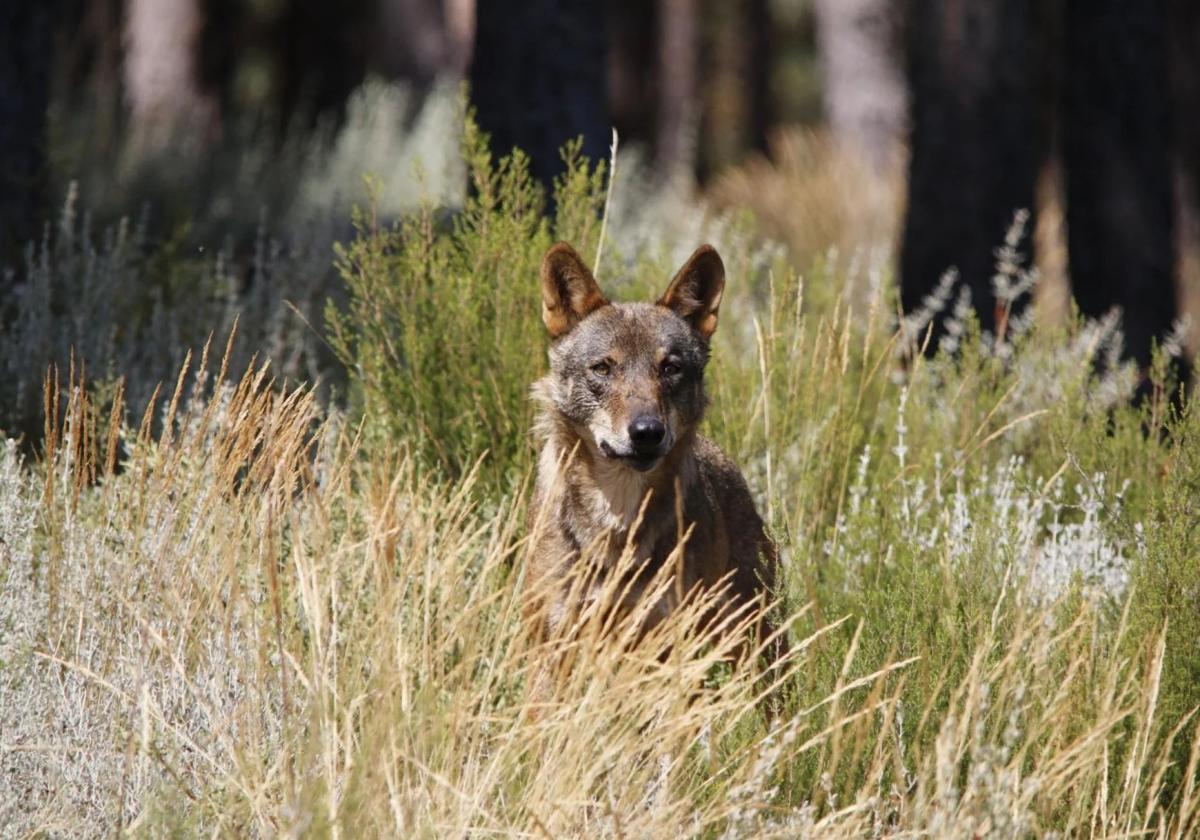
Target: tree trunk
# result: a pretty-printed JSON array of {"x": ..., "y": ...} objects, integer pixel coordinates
[
  {"x": 1184, "y": 28},
  {"x": 1183, "y": 19},
  {"x": 460, "y": 28},
  {"x": 633, "y": 70},
  {"x": 760, "y": 53},
  {"x": 974, "y": 142},
  {"x": 421, "y": 40},
  {"x": 677, "y": 109},
  {"x": 320, "y": 57},
  {"x": 162, "y": 74},
  {"x": 87, "y": 75},
  {"x": 859, "y": 47},
  {"x": 25, "y": 56},
  {"x": 734, "y": 83},
  {"x": 538, "y": 79},
  {"x": 414, "y": 42},
  {"x": 1116, "y": 151}
]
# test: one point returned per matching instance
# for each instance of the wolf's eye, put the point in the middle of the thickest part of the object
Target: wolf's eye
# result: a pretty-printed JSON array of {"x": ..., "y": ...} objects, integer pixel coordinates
[
  {"x": 670, "y": 368},
  {"x": 601, "y": 369}
]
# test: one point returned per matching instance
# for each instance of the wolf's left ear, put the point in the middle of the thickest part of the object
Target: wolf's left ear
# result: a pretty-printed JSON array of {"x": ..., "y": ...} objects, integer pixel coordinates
[
  {"x": 569, "y": 291},
  {"x": 695, "y": 293}
]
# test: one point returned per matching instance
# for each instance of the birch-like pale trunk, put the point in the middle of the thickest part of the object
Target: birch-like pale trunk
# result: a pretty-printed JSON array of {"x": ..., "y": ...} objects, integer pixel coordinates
[
  {"x": 161, "y": 73},
  {"x": 865, "y": 94}
]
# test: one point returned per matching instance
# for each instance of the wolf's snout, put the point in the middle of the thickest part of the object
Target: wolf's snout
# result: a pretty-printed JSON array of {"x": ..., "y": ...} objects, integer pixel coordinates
[{"x": 647, "y": 433}]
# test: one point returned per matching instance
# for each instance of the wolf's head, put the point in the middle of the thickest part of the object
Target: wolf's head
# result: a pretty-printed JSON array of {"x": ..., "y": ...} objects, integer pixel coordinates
[{"x": 629, "y": 377}]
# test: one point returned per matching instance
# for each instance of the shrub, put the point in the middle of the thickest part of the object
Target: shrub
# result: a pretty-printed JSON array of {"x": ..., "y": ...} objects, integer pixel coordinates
[
  {"x": 1166, "y": 578},
  {"x": 442, "y": 332},
  {"x": 124, "y": 306}
]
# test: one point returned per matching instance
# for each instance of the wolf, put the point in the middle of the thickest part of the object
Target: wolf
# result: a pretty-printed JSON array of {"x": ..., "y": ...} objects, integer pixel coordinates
[{"x": 621, "y": 464}]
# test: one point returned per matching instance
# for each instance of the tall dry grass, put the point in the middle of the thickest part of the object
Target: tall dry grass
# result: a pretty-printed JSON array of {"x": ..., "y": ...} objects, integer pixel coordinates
[{"x": 242, "y": 627}]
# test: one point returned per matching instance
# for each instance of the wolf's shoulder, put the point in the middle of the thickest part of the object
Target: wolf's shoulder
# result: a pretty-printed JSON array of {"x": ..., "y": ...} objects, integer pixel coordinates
[{"x": 719, "y": 470}]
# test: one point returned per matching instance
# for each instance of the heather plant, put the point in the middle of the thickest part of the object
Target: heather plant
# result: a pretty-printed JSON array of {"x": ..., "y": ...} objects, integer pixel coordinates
[
  {"x": 244, "y": 233},
  {"x": 126, "y": 308},
  {"x": 248, "y": 611}
]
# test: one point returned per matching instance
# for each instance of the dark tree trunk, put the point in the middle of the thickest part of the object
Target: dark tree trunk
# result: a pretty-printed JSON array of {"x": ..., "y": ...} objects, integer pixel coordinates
[
  {"x": 974, "y": 141},
  {"x": 321, "y": 57},
  {"x": 26, "y": 32},
  {"x": 538, "y": 79},
  {"x": 1116, "y": 151},
  {"x": 733, "y": 83},
  {"x": 633, "y": 69},
  {"x": 87, "y": 76},
  {"x": 759, "y": 56},
  {"x": 312, "y": 54}
]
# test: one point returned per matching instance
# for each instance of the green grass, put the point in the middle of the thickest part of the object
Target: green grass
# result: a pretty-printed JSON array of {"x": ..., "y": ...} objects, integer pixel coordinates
[{"x": 255, "y": 613}]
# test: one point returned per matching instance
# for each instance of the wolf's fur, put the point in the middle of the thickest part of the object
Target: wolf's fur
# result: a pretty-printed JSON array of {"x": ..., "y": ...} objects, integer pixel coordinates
[{"x": 612, "y": 364}]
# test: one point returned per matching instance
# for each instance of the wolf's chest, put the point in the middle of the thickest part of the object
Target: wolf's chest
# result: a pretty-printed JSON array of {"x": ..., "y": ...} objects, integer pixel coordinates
[{"x": 615, "y": 501}]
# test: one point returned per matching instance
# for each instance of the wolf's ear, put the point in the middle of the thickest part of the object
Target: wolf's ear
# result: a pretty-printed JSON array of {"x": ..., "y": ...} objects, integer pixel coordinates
[
  {"x": 569, "y": 291},
  {"x": 695, "y": 293}
]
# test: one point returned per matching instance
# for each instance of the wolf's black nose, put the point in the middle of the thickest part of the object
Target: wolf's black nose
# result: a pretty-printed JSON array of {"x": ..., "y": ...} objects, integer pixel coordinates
[{"x": 646, "y": 432}]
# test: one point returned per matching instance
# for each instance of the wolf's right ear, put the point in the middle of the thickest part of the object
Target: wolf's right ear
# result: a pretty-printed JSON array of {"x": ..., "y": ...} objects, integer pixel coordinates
[{"x": 569, "y": 291}]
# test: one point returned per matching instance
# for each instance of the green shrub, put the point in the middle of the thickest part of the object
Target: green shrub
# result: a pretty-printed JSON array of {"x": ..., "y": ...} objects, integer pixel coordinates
[
  {"x": 442, "y": 333},
  {"x": 1166, "y": 578}
]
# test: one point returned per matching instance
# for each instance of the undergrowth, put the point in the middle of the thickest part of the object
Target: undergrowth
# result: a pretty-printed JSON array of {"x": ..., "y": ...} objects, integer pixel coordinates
[{"x": 249, "y": 612}]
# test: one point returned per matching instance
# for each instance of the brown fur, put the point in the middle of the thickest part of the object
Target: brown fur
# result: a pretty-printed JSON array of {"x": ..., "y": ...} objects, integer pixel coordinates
[{"x": 614, "y": 365}]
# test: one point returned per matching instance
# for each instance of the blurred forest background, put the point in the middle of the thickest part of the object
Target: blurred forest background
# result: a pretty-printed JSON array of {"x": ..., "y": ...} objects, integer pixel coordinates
[{"x": 240, "y": 131}]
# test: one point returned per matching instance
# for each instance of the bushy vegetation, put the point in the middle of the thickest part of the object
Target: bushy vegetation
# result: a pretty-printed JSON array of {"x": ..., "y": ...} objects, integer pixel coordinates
[
  {"x": 440, "y": 335},
  {"x": 252, "y": 612}
]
